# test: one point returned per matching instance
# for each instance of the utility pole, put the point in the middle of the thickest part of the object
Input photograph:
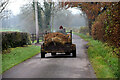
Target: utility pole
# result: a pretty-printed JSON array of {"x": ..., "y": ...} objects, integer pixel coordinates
[
  {"x": 52, "y": 18},
  {"x": 36, "y": 21}
]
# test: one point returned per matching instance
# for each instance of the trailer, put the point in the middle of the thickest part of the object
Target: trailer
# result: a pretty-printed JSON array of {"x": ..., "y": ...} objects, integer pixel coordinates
[{"x": 58, "y": 47}]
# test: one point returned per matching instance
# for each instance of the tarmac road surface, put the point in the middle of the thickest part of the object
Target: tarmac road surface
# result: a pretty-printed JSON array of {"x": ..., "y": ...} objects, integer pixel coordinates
[{"x": 59, "y": 66}]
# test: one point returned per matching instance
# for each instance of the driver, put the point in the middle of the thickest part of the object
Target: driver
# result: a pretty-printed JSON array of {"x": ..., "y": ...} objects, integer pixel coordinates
[{"x": 61, "y": 30}]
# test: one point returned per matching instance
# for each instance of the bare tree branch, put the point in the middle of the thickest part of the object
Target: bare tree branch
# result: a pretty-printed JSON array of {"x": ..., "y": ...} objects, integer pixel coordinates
[{"x": 3, "y": 5}]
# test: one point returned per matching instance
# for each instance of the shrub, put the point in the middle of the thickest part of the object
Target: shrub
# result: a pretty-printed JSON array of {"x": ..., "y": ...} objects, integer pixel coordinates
[
  {"x": 106, "y": 27},
  {"x": 74, "y": 29},
  {"x": 14, "y": 39},
  {"x": 98, "y": 27},
  {"x": 84, "y": 30}
]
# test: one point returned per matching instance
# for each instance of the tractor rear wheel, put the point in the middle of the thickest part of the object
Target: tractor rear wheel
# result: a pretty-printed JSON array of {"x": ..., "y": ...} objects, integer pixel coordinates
[
  {"x": 42, "y": 55},
  {"x": 74, "y": 53},
  {"x": 73, "y": 50}
]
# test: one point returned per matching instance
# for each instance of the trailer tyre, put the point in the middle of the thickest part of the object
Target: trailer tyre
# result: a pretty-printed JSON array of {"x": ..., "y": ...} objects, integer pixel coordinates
[
  {"x": 42, "y": 55},
  {"x": 74, "y": 53}
]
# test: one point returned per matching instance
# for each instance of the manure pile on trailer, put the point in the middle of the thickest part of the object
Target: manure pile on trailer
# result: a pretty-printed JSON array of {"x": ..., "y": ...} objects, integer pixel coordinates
[{"x": 56, "y": 38}]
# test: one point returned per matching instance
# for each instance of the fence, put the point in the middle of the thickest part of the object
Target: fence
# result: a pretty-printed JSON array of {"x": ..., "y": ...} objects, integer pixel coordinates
[{"x": 33, "y": 37}]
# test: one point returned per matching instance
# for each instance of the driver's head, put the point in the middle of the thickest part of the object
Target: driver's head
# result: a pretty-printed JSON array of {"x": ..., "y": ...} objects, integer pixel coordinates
[{"x": 60, "y": 27}]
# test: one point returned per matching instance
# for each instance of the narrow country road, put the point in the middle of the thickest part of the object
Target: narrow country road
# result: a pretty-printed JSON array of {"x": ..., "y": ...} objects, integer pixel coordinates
[{"x": 60, "y": 66}]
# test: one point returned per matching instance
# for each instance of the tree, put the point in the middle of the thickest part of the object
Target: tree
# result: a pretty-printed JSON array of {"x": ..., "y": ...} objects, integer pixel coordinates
[
  {"x": 3, "y": 5},
  {"x": 62, "y": 17},
  {"x": 47, "y": 13},
  {"x": 26, "y": 20},
  {"x": 40, "y": 19},
  {"x": 5, "y": 18},
  {"x": 91, "y": 9}
]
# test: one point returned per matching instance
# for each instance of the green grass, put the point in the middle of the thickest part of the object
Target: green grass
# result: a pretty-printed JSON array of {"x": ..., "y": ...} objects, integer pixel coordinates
[
  {"x": 0, "y": 62},
  {"x": 18, "y": 55},
  {"x": 10, "y": 30},
  {"x": 102, "y": 58},
  {"x": 36, "y": 41}
]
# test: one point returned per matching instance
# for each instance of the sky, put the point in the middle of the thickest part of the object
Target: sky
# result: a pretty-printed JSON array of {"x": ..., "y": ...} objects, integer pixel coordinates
[
  {"x": 75, "y": 10},
  {"x": 14, "y": 6}
]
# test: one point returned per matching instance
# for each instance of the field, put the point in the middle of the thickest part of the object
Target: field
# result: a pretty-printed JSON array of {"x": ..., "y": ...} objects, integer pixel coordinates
[{"x": 10, "y": 30}]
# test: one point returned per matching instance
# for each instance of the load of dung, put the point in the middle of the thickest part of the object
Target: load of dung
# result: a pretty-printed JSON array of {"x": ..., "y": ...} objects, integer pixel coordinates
[{"x": 56, "y": 38}]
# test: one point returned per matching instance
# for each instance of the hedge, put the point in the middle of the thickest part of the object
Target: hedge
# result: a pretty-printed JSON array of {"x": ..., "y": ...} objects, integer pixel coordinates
[
  {"x": 14, "y": 39},
  {"x": 84, "y": 30},
  {"x": 106, "y": 27}
]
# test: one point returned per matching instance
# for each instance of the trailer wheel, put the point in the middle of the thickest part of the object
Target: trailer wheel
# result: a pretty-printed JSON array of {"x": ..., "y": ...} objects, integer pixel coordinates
[
  {"x": 74, "y": 53},
  {"x": 67, "y": 53},
  {"x": 42, "y": 55},
  {"x": 53, "y": 54}
]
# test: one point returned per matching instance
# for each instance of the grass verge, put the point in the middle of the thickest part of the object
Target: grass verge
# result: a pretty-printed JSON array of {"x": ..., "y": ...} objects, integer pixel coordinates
[
  {"x": 102, "y": 57},
  {"x": 18, "y": 55}
]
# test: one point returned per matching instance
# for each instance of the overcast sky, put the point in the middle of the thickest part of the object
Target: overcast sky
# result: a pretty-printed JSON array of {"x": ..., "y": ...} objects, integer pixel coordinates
[{"x": 14, "y": 6}]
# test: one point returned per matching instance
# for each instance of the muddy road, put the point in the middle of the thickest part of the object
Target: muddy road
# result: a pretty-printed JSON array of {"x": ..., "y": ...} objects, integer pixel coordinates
[{"x": 59, "y": 66}]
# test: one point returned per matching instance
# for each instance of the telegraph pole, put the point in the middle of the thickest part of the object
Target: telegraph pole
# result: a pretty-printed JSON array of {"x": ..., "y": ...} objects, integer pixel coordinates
[
  {"x": 36, "y": 21},
  {"x": 52, "y": 18}
]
